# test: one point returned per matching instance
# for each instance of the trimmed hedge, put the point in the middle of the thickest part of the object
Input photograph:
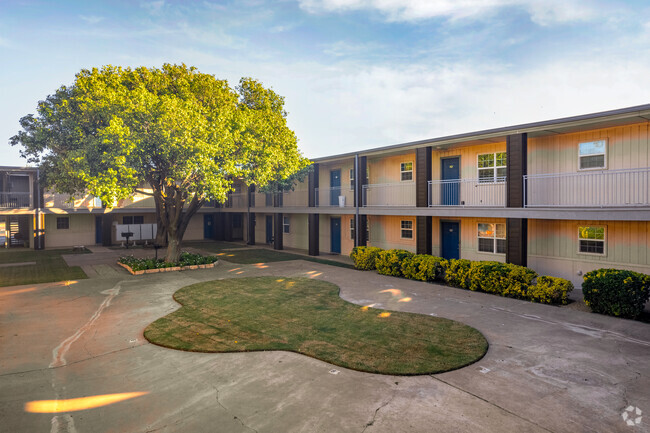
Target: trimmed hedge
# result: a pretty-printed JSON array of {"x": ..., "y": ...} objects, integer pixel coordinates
[
  {"x": 389, "y": 262},
  {"x": 185, "y": 259},
  {"x": 616, "y": 292},
  {"x": 491, "y": 277},
  {"x": 424, "y": 267},
  {"x": 364, "y": 257}
]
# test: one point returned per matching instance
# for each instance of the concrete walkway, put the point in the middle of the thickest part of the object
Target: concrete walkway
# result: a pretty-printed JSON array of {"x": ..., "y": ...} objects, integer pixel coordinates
[{"x": 548, "y": 369}]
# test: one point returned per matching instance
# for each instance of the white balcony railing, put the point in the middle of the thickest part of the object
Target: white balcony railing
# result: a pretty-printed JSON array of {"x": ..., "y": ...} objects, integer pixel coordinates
[
  {"x": 607, "y": 188},
  {"x": 15, "y": 200},
  {"x": 298, "y": 198},
  {"x": 389, "y": 194},
  {"x": 330, "y": 197},
  {"x": 467, "y": 192}
]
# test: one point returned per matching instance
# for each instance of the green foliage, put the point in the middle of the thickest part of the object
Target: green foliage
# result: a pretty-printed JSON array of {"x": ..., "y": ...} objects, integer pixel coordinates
[
  {"x": 550, "y": 290},
  {"x": 457, "y": 273},
  {"x": 501, "y": 278},
  {"x": 616, "y": 292},
  {"x": 185, "y": 259},
  {"x": 424, "y": 267},
  {"x": 182, "y": 134},
  {"x": 389, "y": 262},
  {"x": 364, "y": 257}
]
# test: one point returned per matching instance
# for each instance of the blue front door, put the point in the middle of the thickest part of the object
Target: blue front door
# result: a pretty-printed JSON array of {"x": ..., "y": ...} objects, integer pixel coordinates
[
  {"x": 269, "y": 229},
  {"x": 208, "y": 226},
  {"x": 450, "y": 189},
  {"x": 335, "y": 234},
  {"x": 450, "y": 234},
  {"x": 335, "y": 185},
  {"x": 98, "y": 230}
]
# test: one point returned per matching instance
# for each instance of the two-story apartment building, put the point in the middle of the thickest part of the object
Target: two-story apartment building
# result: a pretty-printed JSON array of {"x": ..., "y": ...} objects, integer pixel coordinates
[{"x": 563, "y": 197}]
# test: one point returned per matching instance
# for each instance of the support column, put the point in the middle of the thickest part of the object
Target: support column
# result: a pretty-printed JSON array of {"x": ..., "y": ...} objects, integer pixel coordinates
[
  {"x": 423, "y": 229},
  {"x": 227, "y": 227},
  {"x": 313, "y": 187},
  {"x": 251, "y": 228},
  {"x": 362, "y": 227},
  {"x": 516, "y": 228},
  {"x": 278, "y": 233},
  {"x": 423, "y": 233},
  {"x": 362, "y": 180},
  {"x": 107, "y": 230},
  {"x": 219, "y": 226},
  {"x": 314, "y": 222}
]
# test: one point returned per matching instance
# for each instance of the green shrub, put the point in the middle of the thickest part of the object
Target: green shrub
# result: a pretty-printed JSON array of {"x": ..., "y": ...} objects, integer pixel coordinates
[
  {"x": 424, "y": 267},
  {"x": 389, "y": 262},
  {"x": 503, "y": 279},
  {"x": 457, "y": 273},
  {"x": 550, "y": 290},
  {"x": 185, "y": 259},
  {"x": 364, "y": 257},
  {"x": 616, "y": 292}
]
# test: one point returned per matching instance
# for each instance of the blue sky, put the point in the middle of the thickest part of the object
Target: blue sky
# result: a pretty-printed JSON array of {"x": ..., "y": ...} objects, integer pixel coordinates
[{"x": 355, "y": 73}]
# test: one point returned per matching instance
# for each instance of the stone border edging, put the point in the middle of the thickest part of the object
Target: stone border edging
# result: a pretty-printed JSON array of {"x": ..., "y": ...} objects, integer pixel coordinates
[{"x": 171, "y": 269}]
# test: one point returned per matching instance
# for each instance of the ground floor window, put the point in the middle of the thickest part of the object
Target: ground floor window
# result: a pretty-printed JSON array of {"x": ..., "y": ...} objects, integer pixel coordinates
[
  {"x": 492, "y": 238},
  {"x": 407, "y": 229},
  {"x": 133, "y": 219},
  {"x": 62, "y": 223},
  {"x": 285, "y": 224},
  {"x": 591, "y": 239}
]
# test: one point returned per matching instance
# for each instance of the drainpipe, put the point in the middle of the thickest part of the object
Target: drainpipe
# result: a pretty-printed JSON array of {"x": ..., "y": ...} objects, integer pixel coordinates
[{"x": 356, "y": 199}]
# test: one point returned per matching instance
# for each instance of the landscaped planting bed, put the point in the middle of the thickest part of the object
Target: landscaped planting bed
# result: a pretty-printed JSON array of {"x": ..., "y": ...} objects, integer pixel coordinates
[
  {"x": 187, "y": 261},
  {"x": 503, "y": 279}
]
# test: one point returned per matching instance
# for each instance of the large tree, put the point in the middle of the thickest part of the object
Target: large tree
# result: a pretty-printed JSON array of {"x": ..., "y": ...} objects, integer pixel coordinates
[{"x": 184, "y": 135}]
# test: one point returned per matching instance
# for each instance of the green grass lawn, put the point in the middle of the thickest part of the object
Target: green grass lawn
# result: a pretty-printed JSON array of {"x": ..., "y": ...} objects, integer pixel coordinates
[
  {"x": 49, "y": 267},
  {"x": 308, "y": 316},
  {"x": 261, "y": 255},
  {"x": 213, "y": 246}
]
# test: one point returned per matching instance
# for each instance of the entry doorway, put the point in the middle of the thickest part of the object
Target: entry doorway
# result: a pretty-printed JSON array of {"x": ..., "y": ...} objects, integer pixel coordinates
[
  {"x": 208, "y": 226},
  {"x": 237, "y": 227},
  {"x": 335, "y": 235},
  {"x": 269, "y": 229},
  {"x": 98, "y": 230},
  {"x": 450, "y": 236},
  {"x": 450, "y": 172},
  {"x": 335, "y": 187}
]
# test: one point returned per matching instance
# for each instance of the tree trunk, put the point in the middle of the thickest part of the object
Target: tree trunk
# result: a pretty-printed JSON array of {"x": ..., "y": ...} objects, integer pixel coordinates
[{"x": 173, "y": 247}]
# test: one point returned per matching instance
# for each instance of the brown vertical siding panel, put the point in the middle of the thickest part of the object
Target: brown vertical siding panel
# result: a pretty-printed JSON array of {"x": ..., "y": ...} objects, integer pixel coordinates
[
  {"x": 423, "y": 234},
  {"x": 277, "y": 231},
  {"x": 313, "y": 184}
]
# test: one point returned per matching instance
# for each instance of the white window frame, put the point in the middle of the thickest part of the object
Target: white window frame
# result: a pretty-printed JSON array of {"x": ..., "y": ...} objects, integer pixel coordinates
[
  {"x": 286, "y": 224},
  {"x": 494, "y": 238},
  {"x": 402, "y": 229},
  {"x": 604, "y": 167},
  {"x": 352, "y": 179},
  {"x": 402, "y": 171},
  {"x": 604, "y": 240},
  {"x": 352, "y": 228},
  {"x": 495, "y": 168},
  {"x": 67, "y": 218}
]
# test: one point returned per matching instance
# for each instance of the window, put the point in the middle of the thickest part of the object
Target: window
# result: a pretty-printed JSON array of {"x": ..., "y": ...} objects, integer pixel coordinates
[
  {"x": 591, "y": 240},
  {"x": 352, "y": 229},
  {"x": 492, "y": 238},
  {"x": 592, "y": 155},
  {"x": 352, "y": 178},
  {"x": 492, "y": 167},
  {"x": 285, "y": 224},
  {"x": 406, "y": 171},
  {"x": 62, "y": 223},
  {"x": 407, "y": 229},
  {"x": 133, "y": 219}
]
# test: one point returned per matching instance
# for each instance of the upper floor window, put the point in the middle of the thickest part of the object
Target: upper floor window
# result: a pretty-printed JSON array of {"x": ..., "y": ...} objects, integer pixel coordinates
[
  {"x": 492, "y": 167},
  {"x": 407, "y": 229},
  {"x": 406, "y": 171},
  {"x": 352, "y": 178},
  {"x": 591, "y": 239},
  {"x": 492, "y": 238},
  {"x": 286, "y": 224},
  {"x": 133, "y": 219},
  {"x": 592, "y": 155},
  {"x": 62, "y": 223}
]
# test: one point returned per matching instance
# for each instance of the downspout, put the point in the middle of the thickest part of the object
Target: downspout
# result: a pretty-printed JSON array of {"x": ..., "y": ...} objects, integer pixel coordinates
[{"x": 356, "y": 199}]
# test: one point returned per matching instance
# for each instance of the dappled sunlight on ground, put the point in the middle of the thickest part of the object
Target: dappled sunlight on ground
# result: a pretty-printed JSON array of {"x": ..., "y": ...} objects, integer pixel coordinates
[
  {"x": 384, "y": 314},
  {"x": 76, "y": 404},
  {"x": 394, "y": 292}
]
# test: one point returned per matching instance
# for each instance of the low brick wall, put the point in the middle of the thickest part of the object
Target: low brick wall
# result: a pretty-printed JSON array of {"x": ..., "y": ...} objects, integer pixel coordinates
[{"x": 172, "y": 269}]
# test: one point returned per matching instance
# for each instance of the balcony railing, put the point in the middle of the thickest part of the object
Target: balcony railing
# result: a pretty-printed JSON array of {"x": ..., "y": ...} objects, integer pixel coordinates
[
  {"x": 236, "y": 201},
  {"x": 298, "y": 198},
  {"x": 389, "y": 194},
  {"x": 334, "y": 197},
  {"x": 608, "y": 188},
  {"x": 263, "y": 199},
  {"x": 468, "y": 192},
  {"x": 15, "y": 200}
]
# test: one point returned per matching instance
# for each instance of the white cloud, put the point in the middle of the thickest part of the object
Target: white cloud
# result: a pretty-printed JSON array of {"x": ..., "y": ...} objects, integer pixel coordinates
[
  {"x": 91, "y": 19},
  {"x": 543, "y": 12}
]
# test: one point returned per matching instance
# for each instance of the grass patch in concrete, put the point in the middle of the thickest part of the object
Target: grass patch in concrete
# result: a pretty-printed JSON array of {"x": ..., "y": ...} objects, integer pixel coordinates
[
  {"x": 260, "y": 255},
  {"x": 308, "y": 316},
  {"x": 49, "y": 267}
]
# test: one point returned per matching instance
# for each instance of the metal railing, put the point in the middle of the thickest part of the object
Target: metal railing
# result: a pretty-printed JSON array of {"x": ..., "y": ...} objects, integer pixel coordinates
[
  {"x": 467, "y": 192},
  {"x": 298, "y": 198},
  {"x": 263, "y": 199},
  {"x": 607, "y": 188},
  {"x": 14, "y": 200},
  {"x": 236, "y": 201},
  {"x": 331, "y": 197},
  {"x": 389, "y": 194}
]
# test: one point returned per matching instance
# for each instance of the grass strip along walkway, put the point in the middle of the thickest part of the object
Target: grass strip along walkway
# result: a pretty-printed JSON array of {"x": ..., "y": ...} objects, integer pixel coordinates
[
  {"x": 49, "y": 267},
  {"x": 308, "y": 316}
]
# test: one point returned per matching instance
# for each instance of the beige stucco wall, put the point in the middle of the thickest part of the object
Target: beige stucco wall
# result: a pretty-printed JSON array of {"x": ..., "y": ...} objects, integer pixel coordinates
[
  {"x": 298, "y": 236},
  {"x": 385, "y": 232},
  {"x": 81, "y": 231}
]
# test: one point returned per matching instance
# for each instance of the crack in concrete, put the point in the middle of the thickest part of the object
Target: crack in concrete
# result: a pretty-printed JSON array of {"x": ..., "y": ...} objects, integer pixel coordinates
[
  {"x": 374, "y": 415},
  {"x": 490, "y": 403}
]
